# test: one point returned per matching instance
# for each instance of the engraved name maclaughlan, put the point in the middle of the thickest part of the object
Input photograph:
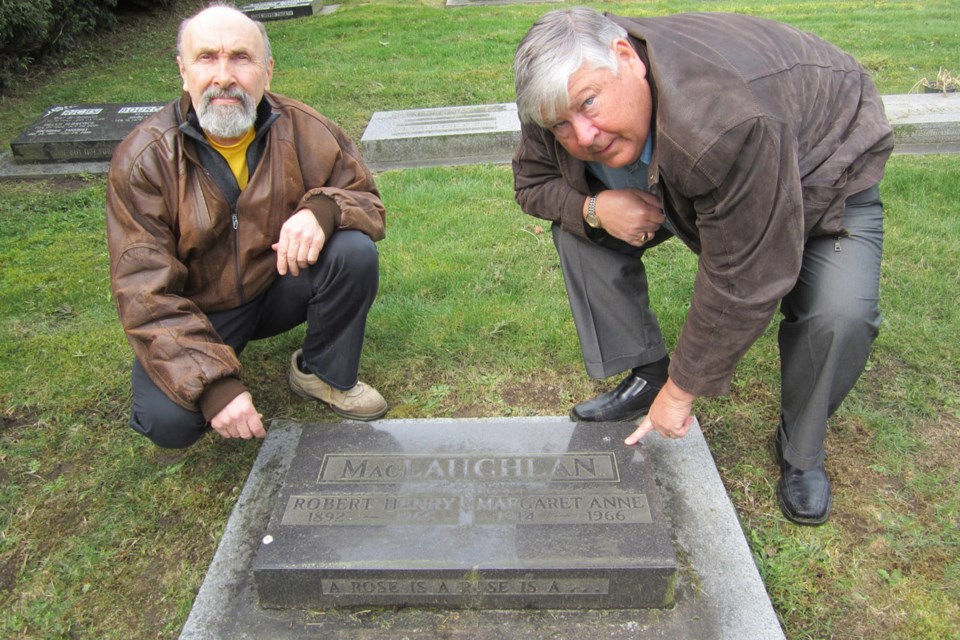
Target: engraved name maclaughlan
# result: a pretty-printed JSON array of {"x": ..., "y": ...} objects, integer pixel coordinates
[{"x": 564, "y": 467}]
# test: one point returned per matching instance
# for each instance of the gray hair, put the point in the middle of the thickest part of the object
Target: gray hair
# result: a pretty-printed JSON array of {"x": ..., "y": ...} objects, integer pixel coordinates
[
  {"x": 555, "y": 48},
  {"x": 267, "y": 49}
]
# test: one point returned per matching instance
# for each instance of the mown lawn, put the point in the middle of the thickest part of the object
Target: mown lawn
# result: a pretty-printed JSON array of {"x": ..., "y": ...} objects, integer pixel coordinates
[{"x": 103, "y": 535}]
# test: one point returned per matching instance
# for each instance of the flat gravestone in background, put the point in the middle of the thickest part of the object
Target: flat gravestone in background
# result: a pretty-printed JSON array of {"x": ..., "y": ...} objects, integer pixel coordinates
[
  {"x": 282, "y": 9},
  {"x": 441, "y": 136},
  {"x": 925, "y": 123},
  {"x": 79, "y": 133},
  {"x": 502, "y": 517}
]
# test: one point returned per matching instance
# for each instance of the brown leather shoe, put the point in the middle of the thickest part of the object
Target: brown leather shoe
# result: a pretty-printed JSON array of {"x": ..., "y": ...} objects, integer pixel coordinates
[{"x": 362, "y": 402}]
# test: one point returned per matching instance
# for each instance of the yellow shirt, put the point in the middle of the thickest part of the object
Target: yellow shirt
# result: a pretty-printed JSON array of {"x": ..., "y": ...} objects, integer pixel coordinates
[{"x": 236, "y": 156}]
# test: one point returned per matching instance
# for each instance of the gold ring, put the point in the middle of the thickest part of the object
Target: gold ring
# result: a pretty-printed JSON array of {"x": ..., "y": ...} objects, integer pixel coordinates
[{"x": 644, "y": 238}]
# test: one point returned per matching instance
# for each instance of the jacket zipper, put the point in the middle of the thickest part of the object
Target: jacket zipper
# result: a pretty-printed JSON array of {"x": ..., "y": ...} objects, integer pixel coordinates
[{"x": 235, "y": 221}]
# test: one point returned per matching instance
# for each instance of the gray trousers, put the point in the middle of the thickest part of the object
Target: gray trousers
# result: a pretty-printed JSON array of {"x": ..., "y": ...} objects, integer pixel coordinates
[
  {"x": 333, "y": 296},
  {"x": 830, "y": 318}
]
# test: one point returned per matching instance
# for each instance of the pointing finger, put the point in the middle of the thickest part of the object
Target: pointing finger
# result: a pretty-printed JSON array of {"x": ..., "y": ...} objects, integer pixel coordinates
[{"x": 645, "y": 426}]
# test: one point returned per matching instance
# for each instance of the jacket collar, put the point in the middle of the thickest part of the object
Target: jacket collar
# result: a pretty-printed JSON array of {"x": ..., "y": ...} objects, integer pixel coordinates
[{"x": 202, "y": 153}]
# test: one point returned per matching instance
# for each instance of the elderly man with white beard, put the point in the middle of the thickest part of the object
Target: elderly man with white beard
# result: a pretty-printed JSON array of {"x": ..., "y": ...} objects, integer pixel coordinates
[{"x": 235, "y": 214}]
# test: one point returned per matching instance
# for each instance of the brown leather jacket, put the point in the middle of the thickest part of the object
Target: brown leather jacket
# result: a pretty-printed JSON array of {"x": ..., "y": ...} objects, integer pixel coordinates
[
  {"x": 760, "y": 133},
  {"x": 181, "y": 247}
]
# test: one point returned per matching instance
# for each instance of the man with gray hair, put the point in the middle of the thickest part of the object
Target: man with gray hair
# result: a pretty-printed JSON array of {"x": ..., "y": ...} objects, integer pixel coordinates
[
  {"x": 760, "y": 147},
  {"x": 235, "y": 214}
]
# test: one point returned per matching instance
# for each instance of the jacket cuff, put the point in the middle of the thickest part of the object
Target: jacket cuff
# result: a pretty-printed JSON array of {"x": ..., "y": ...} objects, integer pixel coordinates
[
  {"x": 698, "y": 385},
  {"x": 219, "y": 394},
  {"x": 327, "y": 212},
  {"x": 572, "y": 215}
]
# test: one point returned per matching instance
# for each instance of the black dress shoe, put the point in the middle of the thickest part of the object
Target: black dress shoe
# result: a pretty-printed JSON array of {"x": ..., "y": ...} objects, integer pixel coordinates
[
  {"x": 804, "y": 496},
  {"x": 630, "y": 400}
]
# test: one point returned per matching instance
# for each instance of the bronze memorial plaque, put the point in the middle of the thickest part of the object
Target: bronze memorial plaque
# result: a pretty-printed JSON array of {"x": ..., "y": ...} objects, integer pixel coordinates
[{"x": 539, "y": 515}]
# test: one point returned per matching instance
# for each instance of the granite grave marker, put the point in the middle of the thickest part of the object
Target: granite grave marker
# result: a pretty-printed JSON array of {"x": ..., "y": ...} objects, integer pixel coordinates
[
  {"x": 79, "y": 133},
  {"x": 441, "y": 136},
  {"x": 281, "y": 9},
  {"x": 497, "y": 519}
]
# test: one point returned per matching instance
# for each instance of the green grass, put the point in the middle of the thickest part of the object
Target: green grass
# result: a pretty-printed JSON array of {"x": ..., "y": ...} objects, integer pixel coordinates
[{"x": 104, "y": 535}]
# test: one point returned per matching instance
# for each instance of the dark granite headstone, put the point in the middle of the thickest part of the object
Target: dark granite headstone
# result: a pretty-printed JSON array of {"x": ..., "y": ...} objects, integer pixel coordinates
[
  {"x": 281, "y": 9},
  {"x": 79, "y": 133},
  {"x": 539, "y": 516}
]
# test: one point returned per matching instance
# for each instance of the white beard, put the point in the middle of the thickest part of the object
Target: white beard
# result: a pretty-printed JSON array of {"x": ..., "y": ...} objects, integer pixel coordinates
[{"x": 226, "y": 121}]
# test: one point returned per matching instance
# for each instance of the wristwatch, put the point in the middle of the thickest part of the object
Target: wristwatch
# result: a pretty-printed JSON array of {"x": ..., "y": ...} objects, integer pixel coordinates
[{"x": 591, "y": 218}]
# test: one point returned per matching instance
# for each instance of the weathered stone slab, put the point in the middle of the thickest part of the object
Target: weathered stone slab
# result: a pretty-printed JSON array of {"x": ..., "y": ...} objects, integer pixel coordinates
[
  {"x": 502, "y": 518},
  {"x": 79, "y": 133},
  {"x": 925, "y": 122},
  {"x": 441, "y": 136},
  {"x": 282, "y": 9}
]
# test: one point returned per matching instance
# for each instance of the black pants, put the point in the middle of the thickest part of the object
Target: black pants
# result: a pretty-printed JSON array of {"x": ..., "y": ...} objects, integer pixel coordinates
[{"x": 333, "y": 296}]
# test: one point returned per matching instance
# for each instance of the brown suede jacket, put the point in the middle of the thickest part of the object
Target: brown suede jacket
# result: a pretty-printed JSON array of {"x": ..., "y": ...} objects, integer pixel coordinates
[
  {"x": 185, "y": 242},
  {"x": 760, "y": 132}
]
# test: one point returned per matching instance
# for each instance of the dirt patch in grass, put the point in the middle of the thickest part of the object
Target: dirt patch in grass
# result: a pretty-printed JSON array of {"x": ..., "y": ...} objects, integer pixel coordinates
[
  {"x": 849, "y": 458},
  {"x": 529, "y": 396},
  {"x": 11, "y": 421},
  {"x": 150, "y": 577},
  {"x": 941, "y": 438},
  {"x": 68, "y": 184},
  {"x": 472, "y": 411},
  {"x": 10, "y": 565},
  {"x": 535, "y": 397}
]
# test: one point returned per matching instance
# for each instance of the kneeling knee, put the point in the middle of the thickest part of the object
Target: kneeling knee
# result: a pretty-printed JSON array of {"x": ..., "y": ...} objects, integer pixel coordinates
[
  {"x": 356, "y": 254},
  {"x": 174, "y": 429}
]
